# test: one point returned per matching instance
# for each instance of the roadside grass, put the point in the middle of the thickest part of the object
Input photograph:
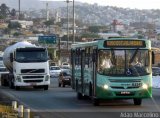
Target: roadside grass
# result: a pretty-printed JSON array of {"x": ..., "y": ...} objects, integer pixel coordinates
[{"x": 7, "y": 111}]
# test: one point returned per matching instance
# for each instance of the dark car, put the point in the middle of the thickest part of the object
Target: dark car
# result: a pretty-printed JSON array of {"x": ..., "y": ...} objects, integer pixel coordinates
[
  {"x": 155, "y": 71},
  {"x": 64, "y": 79}
]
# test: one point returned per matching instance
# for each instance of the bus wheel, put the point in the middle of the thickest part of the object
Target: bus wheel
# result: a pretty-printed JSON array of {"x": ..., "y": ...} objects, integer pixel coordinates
[
  {"x": 11, "y": 85},
  {"x": 95, "y": 102},
  {"x": 90, "y": 89},
  {"x": 45, "y": 87},
  {"x": 137, "y": 101},
  {"x": 79, "y": 96}
]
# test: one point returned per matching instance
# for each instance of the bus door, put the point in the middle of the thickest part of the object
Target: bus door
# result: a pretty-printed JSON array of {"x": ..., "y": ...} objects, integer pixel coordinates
[
  {"x": 82, "y": 69},
  {"x": 73, "y": 56},
  {"x": 94, "y": 77}
]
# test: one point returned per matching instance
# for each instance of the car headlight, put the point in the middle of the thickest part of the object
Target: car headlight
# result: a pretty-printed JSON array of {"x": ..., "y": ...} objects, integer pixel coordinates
[
  {"x": 105, "y": 86},
  {"x": 145, "y": 86}
]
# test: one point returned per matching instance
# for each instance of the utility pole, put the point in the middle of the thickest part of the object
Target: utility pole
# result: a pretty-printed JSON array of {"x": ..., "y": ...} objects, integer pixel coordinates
[
  {"x": 19, "y": 3},
  {"x": 73, "y": 41},
  {"x": 47, "y": 11},
  {"x": 67, "y": 1}
]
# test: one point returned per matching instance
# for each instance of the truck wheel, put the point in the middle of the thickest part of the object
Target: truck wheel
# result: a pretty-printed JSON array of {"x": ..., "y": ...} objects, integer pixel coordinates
[
  {"x": 11, "y": 85},
  {"x": 4, "y": 81},
  {"x": 59, "y": 84},
  {"x": 45, "y": 87},
  {"x": 17, "y": 88},
  {"x": 137, "y": 101}
]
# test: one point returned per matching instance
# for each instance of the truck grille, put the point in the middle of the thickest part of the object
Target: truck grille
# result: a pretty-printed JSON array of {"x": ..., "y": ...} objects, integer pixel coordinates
[
  {"x": 32, "y": 71},
  {"x": 33, "y": 81},
  {"x": 32, "y": 77}
]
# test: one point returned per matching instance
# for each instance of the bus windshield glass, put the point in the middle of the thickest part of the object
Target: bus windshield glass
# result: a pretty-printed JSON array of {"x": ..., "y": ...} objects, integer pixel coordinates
[
  {"x": 133, "y": 62},
  {"x": 31, "y": 56}
]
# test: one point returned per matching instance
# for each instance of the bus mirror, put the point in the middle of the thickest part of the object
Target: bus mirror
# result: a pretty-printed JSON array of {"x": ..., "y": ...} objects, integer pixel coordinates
[
  {"x": 153, "y": 58},
  {"x": 11, "y": 57}
]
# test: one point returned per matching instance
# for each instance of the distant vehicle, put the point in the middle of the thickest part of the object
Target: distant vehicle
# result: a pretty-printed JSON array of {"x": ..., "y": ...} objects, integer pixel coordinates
[
  {"x": 155, "y": 71},
  {"x": 64, "y": 79},
  {"x": 65, "y": 64},
  {"x": 55, "y": 71},
  {"x": 1, "y": 59},
  {"x": 53, "y": 64},
  {"x": 66, "y": 69},
  {"x": 3, "y": 70}
]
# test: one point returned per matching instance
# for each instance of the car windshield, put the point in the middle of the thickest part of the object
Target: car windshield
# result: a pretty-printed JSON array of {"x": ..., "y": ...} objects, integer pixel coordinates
[
  {"x": 54, "y": 68},
  {"x": 65, "y": 67},
  {"x": 133, "y": 62},
  {"x": 65, "y": 74},
  {"x": 155, "y": 71},
  {"x": 65, "y": 64}
]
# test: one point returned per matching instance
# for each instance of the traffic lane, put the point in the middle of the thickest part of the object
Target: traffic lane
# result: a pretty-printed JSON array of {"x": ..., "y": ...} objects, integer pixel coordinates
[{"x": 64, "y": 99}]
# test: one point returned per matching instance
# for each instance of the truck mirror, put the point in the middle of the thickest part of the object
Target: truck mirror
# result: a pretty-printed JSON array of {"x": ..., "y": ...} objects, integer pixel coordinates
[
  {"x": 153, "y": 57},
  {"x": 11, "y": 57}
]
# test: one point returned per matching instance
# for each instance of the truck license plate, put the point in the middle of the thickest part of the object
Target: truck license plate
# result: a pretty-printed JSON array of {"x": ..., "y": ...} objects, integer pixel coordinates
[{"x": 33, "y": 84}]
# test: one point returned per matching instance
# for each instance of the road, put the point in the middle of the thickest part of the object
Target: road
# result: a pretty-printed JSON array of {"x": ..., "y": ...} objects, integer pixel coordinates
[{"x": 62, "y": 103}]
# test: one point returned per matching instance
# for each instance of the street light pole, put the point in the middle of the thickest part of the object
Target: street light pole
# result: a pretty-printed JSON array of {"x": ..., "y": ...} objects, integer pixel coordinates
[
  {"x": 73, "y": 23},
  {"x": 67, "y": 23},
  {"x": 67, "y": 1},
  {"x": 19, "y": 3}
]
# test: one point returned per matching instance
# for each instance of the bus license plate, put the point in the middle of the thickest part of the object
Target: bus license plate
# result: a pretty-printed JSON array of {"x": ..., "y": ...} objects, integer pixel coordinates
[{"x": 125, "y": 93}]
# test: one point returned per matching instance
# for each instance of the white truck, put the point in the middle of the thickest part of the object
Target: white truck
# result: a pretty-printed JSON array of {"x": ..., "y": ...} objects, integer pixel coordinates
[
  {"x": 28, "y": 65},
  {"x": 1, "y": 59}
]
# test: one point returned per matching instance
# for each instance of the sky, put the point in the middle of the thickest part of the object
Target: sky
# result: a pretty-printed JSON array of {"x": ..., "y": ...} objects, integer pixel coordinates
[{"x": 138, "y": 4}]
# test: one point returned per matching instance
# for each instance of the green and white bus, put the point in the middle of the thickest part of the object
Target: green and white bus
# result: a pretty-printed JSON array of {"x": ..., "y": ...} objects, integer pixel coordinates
[{"x": 109, "y": 69}]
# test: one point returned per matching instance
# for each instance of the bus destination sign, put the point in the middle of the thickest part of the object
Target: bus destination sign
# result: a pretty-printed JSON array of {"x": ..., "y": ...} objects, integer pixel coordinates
[{"x": 124, "y": 43}]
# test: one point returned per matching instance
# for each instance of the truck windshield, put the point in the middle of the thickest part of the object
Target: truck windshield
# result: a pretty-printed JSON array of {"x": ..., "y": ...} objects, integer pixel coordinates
[
  {"x": 31, "y": 56},
  {"x": 133, "y": 62}
]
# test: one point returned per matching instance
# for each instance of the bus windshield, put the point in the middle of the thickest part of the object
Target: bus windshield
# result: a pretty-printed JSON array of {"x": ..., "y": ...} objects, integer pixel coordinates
[
  {"x": 129, "y": 62},
  {"x": 31, "y": 56}
]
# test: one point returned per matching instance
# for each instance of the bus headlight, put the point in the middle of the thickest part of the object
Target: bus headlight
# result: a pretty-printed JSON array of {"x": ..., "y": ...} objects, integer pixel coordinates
[
  {"x": 47, "y": 77},
  {"x": 145, "y": 86},
  {"x": 105, "y": 86}
]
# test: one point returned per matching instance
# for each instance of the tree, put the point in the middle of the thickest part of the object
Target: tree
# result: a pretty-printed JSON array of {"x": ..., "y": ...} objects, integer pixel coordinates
[
  {"x": 4, "y": 11},
  {"x": 49, "y": 22},
  {"x": 13, "y": 12},
  {"x": 93, "y": 29},
  {"x": 14, "y": 25},
  {"x": 90, "y": 35}
]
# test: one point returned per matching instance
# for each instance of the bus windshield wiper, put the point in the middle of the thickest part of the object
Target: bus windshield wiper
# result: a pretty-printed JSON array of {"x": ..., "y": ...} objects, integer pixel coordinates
[{"x": 134, "y": 55}]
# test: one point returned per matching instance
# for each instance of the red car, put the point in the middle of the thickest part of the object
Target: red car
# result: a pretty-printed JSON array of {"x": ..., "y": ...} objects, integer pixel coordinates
[{"x": 64, "y": 79}]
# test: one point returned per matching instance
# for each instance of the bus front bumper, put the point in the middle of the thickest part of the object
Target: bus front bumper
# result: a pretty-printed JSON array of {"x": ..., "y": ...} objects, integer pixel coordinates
[{"x": 102, "y": 93}]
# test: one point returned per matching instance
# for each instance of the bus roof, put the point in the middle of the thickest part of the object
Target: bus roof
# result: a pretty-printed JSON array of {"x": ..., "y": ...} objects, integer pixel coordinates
[{"x": 101, "y": 41}]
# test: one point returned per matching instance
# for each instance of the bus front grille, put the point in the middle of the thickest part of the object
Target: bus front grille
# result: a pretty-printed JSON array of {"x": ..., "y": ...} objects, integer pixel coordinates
[
  {"x": 128, "y": 87},
  {"x": 124, "y": 80}
]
